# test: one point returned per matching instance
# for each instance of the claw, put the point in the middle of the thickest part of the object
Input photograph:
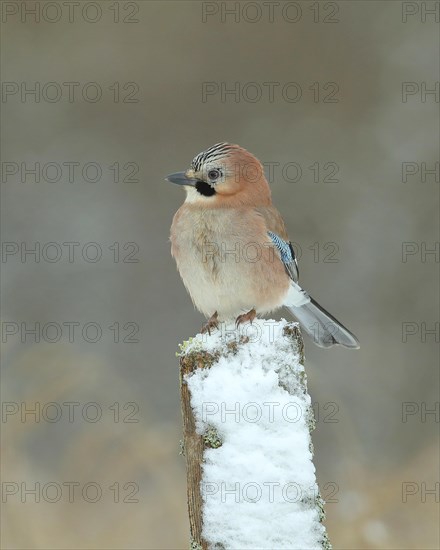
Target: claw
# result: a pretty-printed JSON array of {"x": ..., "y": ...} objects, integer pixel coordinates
[
  {"x": 212, "y": 322},
  {"x": 249, "y": 316}
]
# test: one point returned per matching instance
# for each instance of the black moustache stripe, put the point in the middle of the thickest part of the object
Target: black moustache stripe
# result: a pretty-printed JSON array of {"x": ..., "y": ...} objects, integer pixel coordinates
[{"x": 204, "y": 189}]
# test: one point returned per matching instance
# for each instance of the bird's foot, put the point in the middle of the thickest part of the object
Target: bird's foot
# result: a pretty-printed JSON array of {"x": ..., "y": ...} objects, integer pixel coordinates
[
  {"x": 212, "y": 322},
  {"x": 249, "y": 316}
]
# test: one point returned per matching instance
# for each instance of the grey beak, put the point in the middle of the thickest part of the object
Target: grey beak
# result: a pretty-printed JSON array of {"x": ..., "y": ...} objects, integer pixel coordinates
[{"x": 181, "y": 179}]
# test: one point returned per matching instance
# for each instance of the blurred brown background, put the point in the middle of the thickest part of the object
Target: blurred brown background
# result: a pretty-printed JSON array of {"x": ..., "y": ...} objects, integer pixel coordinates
[{"x": 376, "y": 444}]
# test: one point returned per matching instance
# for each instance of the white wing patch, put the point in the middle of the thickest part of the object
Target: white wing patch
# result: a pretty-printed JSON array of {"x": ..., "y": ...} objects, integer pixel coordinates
[{"x": 296, "y": 297}]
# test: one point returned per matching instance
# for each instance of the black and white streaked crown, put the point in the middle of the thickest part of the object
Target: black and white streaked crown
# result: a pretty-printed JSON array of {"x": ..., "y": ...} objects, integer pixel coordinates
[{"x": 217, "y": 151}]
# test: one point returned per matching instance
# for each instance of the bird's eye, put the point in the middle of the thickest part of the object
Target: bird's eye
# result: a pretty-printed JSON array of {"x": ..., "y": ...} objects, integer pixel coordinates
[{"x": 213, "y": 174}]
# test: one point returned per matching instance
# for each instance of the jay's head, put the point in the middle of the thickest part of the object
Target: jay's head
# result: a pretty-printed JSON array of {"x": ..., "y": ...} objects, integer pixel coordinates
[{"x": 224, "y": 175}]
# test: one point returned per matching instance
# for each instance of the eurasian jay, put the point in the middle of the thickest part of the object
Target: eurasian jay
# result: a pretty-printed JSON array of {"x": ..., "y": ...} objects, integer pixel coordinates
[{"x": 232, "y": 250}]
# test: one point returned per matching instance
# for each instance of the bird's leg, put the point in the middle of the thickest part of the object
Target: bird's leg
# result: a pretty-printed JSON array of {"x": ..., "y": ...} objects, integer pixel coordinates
[
  {"x": 212, "y": 322},
  {"x": 249, "y": 316}
]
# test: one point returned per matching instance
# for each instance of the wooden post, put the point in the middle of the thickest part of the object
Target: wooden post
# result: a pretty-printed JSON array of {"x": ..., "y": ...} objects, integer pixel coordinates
[
  {"x": 193, "y": 447},
  {"x": 203, "y": 353}
]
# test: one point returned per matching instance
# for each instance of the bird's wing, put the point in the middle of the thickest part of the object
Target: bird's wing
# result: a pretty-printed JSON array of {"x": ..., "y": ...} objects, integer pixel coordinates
[
  {"x": 274, "y": 221},
  {"x": 287, "y": 255},
  {"x": 276, "y": 230}
]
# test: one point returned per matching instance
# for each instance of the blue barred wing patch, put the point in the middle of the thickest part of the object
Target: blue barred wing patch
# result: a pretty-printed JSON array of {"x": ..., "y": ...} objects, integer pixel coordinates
[{"x": 287, "y": 255}]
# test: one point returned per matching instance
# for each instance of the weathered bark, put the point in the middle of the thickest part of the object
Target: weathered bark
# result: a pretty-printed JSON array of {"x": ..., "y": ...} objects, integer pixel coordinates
[{"x": 193, "y": 446}]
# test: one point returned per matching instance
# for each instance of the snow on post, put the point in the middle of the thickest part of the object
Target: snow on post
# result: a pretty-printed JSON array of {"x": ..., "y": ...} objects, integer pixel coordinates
[{"x": 247, "y": 423}]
